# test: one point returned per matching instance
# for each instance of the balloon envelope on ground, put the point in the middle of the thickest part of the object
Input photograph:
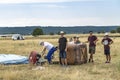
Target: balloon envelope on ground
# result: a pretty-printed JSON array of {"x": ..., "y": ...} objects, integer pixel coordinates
[{"x": 13, "y": 59}]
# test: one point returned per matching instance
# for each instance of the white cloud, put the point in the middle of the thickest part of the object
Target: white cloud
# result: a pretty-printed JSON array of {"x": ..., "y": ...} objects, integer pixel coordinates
[
  {"x": 59, "y": 22},
  {"x": 40, "y": 1},
  {"x": 53, "y": 6}
]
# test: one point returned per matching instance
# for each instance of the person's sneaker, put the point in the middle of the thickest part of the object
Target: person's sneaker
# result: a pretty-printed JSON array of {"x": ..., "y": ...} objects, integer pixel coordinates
[
  {"x": 106, "y": 62},
  {"x": 66, "y": 66},
  {"x": 92, "y": 61},
  {"x": 50, "y": 62},
  {"x": 109, "y": 62},
  {"x": 62, "y": 65}
]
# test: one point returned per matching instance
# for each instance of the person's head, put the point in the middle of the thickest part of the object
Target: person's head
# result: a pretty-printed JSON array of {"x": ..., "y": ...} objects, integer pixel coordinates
[
  {"x": 77, "y": 37},
  {"x": 74, "y": 38},
  {"x": 62, "y": 33},
  {"x": 42, "y": 43},
  {"x": 106, "y": 34},
  {"x": 90, "y": 32}
]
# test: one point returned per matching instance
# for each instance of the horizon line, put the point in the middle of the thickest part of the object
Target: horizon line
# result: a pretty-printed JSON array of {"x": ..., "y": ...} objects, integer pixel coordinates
[{"x": 67, "y": 26}]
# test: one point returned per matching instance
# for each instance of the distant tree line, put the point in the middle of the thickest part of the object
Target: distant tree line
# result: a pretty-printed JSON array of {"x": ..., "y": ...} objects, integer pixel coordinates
[
  {"x": 39, "y": 31},
  {"x": 112, "y": 31},
  {"x": 116, "y": 31}
]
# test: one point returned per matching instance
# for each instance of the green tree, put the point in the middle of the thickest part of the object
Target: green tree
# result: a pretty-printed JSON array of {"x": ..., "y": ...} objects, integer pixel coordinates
[
  {"x": 37, "y": 32},
  {"x": 118, "y": 29},
  {"x": 113, "y": 31}
]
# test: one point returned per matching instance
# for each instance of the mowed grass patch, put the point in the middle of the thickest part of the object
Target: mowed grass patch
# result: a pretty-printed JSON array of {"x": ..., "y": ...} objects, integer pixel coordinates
[{"x": 90, "y": 71}]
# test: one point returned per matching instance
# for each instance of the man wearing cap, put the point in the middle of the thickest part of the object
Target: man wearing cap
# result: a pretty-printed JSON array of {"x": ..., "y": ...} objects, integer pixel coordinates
[
  {"x": 106, "y": 41},
  {"x": 92, "y": 39},
  {"x": 62, "y": 48},
  {"x": 51, "y": 49}
]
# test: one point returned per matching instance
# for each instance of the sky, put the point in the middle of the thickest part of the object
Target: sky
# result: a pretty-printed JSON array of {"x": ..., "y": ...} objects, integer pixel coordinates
[{"x": 59, "y": 13}]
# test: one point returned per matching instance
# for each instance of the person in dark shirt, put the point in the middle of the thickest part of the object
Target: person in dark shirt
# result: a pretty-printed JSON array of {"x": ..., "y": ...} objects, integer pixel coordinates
[
  {"x": 92, "y": 39},
  {"x": 62, "y": 48},
  {"x": 106, "y": 41}
]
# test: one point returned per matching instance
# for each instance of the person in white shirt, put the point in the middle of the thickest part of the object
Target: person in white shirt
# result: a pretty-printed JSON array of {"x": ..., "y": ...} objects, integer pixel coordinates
[{"x": 51, "y": 49}]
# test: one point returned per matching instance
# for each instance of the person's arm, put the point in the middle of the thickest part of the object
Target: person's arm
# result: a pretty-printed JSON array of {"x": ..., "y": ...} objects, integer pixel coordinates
[
  {"x": 43, "y": 51},
  {"x": 66, "y": 46},
  {"x": 110, "y": 42},
  {"x": 96, "y": 39},
  {"x": 102, "y": 42}
]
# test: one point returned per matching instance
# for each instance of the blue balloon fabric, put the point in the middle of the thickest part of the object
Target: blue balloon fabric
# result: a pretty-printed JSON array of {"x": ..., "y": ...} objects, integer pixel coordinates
[{"x": 13, "y": 59}]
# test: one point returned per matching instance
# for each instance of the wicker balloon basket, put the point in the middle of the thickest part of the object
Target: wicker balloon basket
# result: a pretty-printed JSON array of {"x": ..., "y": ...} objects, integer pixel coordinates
[{"x": 77, "y": 53}]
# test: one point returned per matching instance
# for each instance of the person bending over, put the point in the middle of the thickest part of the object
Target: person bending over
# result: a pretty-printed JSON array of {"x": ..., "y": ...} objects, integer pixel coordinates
[{"x": 51, "y": 49}]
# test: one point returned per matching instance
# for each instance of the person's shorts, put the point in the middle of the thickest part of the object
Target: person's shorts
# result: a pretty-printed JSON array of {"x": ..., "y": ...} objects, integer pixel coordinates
[
  {"x": 62, "y": 54},
  {"x": 107, "y": 52},
  {"x": 92, "y": 49}
]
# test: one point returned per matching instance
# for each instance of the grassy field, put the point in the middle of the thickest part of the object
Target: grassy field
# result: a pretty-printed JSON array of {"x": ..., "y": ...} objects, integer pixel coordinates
[{"x": 90, "y": 71}]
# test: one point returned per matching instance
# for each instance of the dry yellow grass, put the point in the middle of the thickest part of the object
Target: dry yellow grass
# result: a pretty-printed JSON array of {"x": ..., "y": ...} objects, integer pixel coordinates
[{"x": 90, "y": 71}]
